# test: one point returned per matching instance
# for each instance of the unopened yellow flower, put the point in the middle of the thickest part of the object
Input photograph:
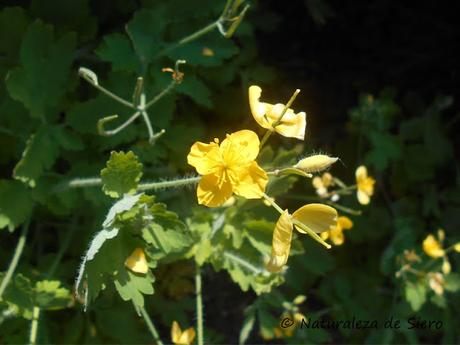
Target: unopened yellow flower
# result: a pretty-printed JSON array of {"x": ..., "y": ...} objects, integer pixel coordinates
[
  {"x": 321, "y": 184},
  {"x": 228, "y": 168},
  {"x": 336, "y": 232},
  {"x": 181, "y": 338},
  {"x": 315, "y": 163},
  {"x": 432, "y": 247},
  {"x": 365, "y": 185},
  {"x": 137, "y": 262},
  {"x": 316, "y": 217},
  {"x": 266, "y": 114},
  {"x": 457, "y": 247}
]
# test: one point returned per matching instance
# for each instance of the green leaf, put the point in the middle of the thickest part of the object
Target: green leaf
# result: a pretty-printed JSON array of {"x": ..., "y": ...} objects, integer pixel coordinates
[
  {"x": 452, "y": 282},
  {"x": 386, "y": 148},
  {"x": 15, "y": 204},
  {"x": 146, "y": 30},
  {"x": 122, "y": 174},
  {"x": 50, "y": 295},
  {"x": 39, "y": 155},
  {"x": 416, "y": 294},
  {"x": 13, "y": 24},
  {"x": 45, "y": 64},
  {"x": 117, "y": 50},
  {"x": 196, "y": 90}
]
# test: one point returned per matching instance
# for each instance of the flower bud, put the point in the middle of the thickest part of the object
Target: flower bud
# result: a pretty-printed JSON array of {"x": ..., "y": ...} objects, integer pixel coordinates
[{"x": 315, "y": 163}]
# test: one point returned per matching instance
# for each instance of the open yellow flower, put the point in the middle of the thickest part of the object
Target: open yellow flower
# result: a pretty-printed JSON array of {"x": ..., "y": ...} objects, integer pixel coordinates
[
  {"x": 137, "y": 262},
  {"x": 266, "y": 114},
  {"x": 365, "y": 185},
  {"x": 181, "y": 338},
  {"x": 321, "y": 184},
  {"x": 316, "y": 217},
  {"x": 336, "y": 232},
  {"x": 433, "y": 247},
  {"x": 228, "y": 168}
]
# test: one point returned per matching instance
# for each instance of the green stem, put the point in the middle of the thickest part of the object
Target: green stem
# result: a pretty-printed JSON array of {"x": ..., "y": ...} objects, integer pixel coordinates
[
  {"x": 278, "y": 121},
  {"x": 110, "y": 94},
  {"x": 199, "y": 305},
  {"x": 244, "y": 263},
  {"x": 191, "y": 37},
  {"x": 168, "y": 184},
  {"x": 343, "y": 208},
  {"x": 95, "y": 181},
  {"x": 34, "y": 326},
  {"x": 160, "y": 95},
  {"x": 15, "y": 260},
  {"x": 151, "y": 326}
]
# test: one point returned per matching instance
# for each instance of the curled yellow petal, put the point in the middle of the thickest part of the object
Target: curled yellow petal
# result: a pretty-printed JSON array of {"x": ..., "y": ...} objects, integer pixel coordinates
[
  {"x": 317, "y": 217},
  {"x": 137, "y": 262},
  {"x": 281, "y": 243},
  {"x": 432, "y": 247},
  {"x": 266, "y": 114},
  {"x": 344, "y": 222}
]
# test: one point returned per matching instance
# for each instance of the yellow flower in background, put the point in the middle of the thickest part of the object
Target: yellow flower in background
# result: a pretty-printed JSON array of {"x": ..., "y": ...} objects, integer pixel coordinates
[
  {"x": 433, "y": 247},
  {"x": 137, "y": 262},
  {"x": 365, "y": 185},
  {"x": 316, "y": 217},
  {"x": 336, "y": 232},
  {"x": 228, "y": 168},
  {"x": 266, "y": 114},
  {"x": 181, "y": 338},
  {"x": 436, "y": 282},
  {"x": 321, "y": 184},
  {"x": 457, "y": 247}
]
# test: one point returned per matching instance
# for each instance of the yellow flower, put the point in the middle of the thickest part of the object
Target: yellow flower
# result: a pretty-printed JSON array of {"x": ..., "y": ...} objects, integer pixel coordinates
[
  {"x": 228, "y": 168},
  {"x": 336, "y": 232},
  {"x": 137, "y": 262},
  {"x": 317, "y": 217},
  {"x": 181, "y": 338},
  {"x": 322, "y": 183},
  {"x": 432, "y": 247},
  {"x": 436, "y": 282},
  {"x": 266, "y": 114},
  {"x": 365, "y": 185}
]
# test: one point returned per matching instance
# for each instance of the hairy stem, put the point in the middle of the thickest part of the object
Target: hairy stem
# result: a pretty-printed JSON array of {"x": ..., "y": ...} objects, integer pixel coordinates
[
  {"x": 151, "y": 326},
  {"x": 168, "y": 184},
  {"x": 199, "y": 305},
  {"x": 15, "y": 260},
  {"x": 110, "y": 94}
]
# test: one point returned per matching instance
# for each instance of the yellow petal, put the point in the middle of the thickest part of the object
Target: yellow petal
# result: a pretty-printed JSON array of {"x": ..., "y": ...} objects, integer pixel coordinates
[
  {"x": 344, "y": 222},
  {"x": 203, "y": 157},
  {"x": 361, "y": 173},
  {"x": 325, "y": 235},
  {"x": 137, "y": 262},
  {"x": 432, "y": 247},
  {"x": 292, "y": 125},
  {"x": 281, "y": 243},
  {"x": 176, "y": 332},
  {"x": 187, "y": 336},
  {"x": 240, "y": 147},
  {"x": 317, "y": 217},
  {"x": 446, "y": 267},
  {"x": 259, "y": 109},
  {"x": 363, "y": 198},
  {"x": 251, "y": 181},
  {"x": 213, "y": 190},
  {"x": 337, "y": 236}
]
